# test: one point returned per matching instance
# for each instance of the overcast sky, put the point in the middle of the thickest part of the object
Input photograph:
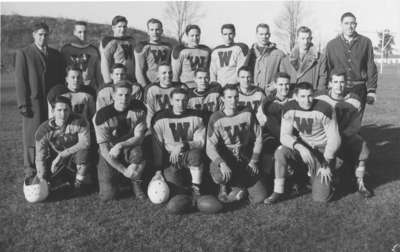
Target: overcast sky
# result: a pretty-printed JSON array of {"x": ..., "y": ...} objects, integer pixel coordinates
[{"x": 321, "y": 16}]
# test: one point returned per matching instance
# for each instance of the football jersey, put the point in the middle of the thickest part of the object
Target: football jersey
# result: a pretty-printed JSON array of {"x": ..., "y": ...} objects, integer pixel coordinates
[
  {"x": 112, "y": 126},
  {"x": 206, "y": 102},
  {"x": 115, "y": 50},
  {"x": 317, "y": 126},
  {"x": 272, "y": 109},
  {"x": 170, "y": 129},
  {"x": 148, "y": 56},
  {"x": 186, "y": 60},
  {"x": 104, "y": 96},
  {"x": 252, "y": 98},
  {"x": 238, "y": 134},
  {"x": 67, "y": 140},
  {"x": 82, "y": 102},
  {"x": 156, "y": 98},
  {"x": 347, "y": 112},
  {"x": 226, "y": 61}
]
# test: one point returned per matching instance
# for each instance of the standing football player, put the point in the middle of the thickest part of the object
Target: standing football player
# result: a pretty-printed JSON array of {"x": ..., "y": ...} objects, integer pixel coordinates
[
  {"x": 314, "y": 148},
  {"x": 234, "y": 145},
  {"x": 249, "y": 95},
  {"x": 226, "y": 59},
  {"x": 354, "y": 149},
  {"x": 187, "y": 59},
  {"x": 120, "y": 129},
  {"x": 149, "y": 54},
  {"x": 63, "y": 142},
  {"x": 181, "y": 132},
  {"x": 117, "y": 49},
  {"x": 84, "y": 55}
]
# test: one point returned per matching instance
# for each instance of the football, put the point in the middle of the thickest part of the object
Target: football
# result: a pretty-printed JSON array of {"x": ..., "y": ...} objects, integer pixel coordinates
[
  {"x": 320, "y": 192},
  {"x": 209, "y": 204},
  {"x": 180, "y": 204}
]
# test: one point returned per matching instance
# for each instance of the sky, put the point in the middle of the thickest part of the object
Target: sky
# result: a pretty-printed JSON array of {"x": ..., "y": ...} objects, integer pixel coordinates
[{"x": 323, "y": 17}]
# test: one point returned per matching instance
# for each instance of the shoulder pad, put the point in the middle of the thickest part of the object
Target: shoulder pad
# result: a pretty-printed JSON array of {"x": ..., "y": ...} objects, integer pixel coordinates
[
  {"x": 323, "y": 107},
  {"x": 43, "y": 129},
  {"x": 106, "y": 40},
  {"x": 140, "y": 46},
  {"x": 243, "y": 47},
  {"x": 165, "y": 113},
  {"x": 204, "y": 47},
  {"x": 177, "y": 50},
  {"x": 215, "y": 117},
  {"x": 290, "y": 105},
  {"x": 104, "y": 114}
]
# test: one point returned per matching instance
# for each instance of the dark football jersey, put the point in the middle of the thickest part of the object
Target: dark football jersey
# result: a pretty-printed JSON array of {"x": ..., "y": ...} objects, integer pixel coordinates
[
  {"x": 252, "y": 98},
  {"x": 206, "y": 102}
]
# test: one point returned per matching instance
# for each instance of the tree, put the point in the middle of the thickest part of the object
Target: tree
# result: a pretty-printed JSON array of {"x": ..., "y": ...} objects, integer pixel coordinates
[
  {"x": 288, "y": 22},
  {"x": 388, "y": 43},
  {"x": 181, "y": 13}
]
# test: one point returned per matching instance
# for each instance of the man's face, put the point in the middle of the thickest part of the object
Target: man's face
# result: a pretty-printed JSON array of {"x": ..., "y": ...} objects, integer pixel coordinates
[
  {"x": 155, "y": 31},
  {"x": 165, "y": 75},
  {"x": 230, "y": 98},
  {"x": 122, "y": 98},
  {"x": 74, "y": 80},
  {"x": 228, "y": 36},
  {"x": 202, "y": 81},
  {"x": 194, "y": 37},
  {"x": 61, "y": 112},
  {"x": 118, "y": 74},
  {"x": 304, "y": 98},
  {"x": 349, "y": 25},
  {"x": 304, "y": 40},
  {"x": 263, "y": 36},
  {"x": 337, "y": 84},
  {"x": 80, "y": 32},
  {"x": 40, "y": 37},
  {"x": 120, "y": 29},
  {"x": 179, "y": 103},
  {"x": 282, "y": 86},
  {"x": 244, "y": 79}
]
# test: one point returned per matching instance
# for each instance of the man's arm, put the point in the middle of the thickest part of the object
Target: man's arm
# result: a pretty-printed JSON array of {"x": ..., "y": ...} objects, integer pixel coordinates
[
  {"x": 140, "y": 59},
  {"x": 211, "y": 145},
  {"x": 115, "y": 163},
  {"x": 333, "y": 137},
  {"x": 42, "y": 153},
  {"x": 214, "y": 66},
  {"x": 287, "y": 137},
  {"x": 258, "y": 142},
  {"x": 106, "y": 54},
  {"x": 176, "y": 63},
  {"x": 22, "y": 82},
  {"x": 83, "y": 140},
  {"x": 91, "y": 107},
  {"x": 322, "y": 73},
  {"x": 198, "y": 138},
  {"x": 372, "y": 72},
  {"x": 138, "y": 136}
]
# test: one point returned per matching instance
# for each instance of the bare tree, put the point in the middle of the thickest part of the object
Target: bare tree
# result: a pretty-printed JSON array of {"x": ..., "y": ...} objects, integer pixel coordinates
[
  {"x": 385, "y": 37},
  {"x": 181, "y": 13},
  {"x": 288, "y": 22}
]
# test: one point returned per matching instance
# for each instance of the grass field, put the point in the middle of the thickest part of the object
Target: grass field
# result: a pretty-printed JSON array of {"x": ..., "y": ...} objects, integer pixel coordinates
[{"x": 349, "y": 223}]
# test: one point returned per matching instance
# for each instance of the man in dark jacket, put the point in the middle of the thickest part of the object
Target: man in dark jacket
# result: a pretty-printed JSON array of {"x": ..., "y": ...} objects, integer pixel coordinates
[{"x": 37, "y": 69}]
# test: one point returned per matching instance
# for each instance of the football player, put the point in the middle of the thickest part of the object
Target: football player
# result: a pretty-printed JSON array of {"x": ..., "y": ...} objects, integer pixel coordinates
[
  {"x": 62, "y": 145},
  {"x": 187, "y": 59},
  {"x": 181, "y": 132},
  {"x": 149, "y": 54},
  {"x": 120, "y": 129},
  {"x": 205, "y": 97},
  {"x": 234, "y": 145},
  {"x": 117, "y": 49},
  {"x": 315, "y": 146},
  {"x": 118, "y": 74},
  {"x": 354, "y": 149},
  {"x": 226, "y": 59},
  {"x": 249, "y": 95}
]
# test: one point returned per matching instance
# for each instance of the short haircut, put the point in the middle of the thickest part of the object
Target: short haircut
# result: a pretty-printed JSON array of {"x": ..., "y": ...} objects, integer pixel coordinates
[
  {"x": 40, "y": 25},
  {"x": 191, "y": 27},
  {"x": 178, "y": 91},
  {"x": 163, "y": 63},
  {"x": 244, "y": 68},
  {"x": 262, "y": 25},
  {"x": 281, "y": 75},
  {"x": 228, "y": 87},
  {"x": 303, "y": 86},
  {"x": 122, "y": 84},
  {"x": 347, "y": 14},
  {"x": 154, "y": 21},
  {"x": 60, "y": 99},
  {"x": 82, "y": 23},
  {"x": 118, "y": 19},
  {"x": 338, "y": 73},
  {"x": 202, "y": 70},
  {"x": 228, "y": 26},
  {"x": 72, "y": 67},
  {"x": 304, "y": 29},
  {"x": 118, "y": 66}
]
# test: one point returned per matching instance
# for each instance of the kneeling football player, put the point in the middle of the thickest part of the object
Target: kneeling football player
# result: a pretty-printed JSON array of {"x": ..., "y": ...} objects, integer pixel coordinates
[
  {"x": 234, "y": 144},
  {"x": 120, "y": 129},
  {"x": 63, "y": 141},
  {"x": 181, "y": 133}
]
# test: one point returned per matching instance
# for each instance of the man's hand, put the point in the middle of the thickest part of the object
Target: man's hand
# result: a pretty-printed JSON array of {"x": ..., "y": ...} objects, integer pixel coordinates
[
  {"x": 226, "y": 171},
  {"x": 26, "y": 111},
  {"x": 371, "y": 98},
  {"x": 326, "y": 175},
  {"x": 115, "y": 150},
  {"x": 130, "y": 171},
  {"x": 175, "y": 154},
  {"x": 306, "y": 156},
  {"x": 55, "y": 164},
  {"x": 253, "y": 168}
]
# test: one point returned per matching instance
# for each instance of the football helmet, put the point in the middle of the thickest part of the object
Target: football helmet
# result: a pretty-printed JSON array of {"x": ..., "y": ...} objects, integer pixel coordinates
[{"x": 37, "y": 191}]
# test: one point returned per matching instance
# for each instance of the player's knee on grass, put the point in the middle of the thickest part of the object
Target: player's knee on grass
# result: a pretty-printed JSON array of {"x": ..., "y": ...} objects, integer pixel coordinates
[
  {"x": 282, "y": 156},
  {"x": 216, "y": 174},
  {"x": 194, "y": 157},
  {"x": 321, "y": 192},
  {"x": 257, "y": 192}
]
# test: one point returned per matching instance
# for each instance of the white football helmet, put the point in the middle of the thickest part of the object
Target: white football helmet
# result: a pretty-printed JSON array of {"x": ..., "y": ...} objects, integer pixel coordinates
[
  {"x": 158, "y": 190},
  {"x": 36, "y": 192}
]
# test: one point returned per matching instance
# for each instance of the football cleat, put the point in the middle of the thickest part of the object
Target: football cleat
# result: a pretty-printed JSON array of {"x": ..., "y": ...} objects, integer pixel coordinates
[
  {"x": 273, "y": 198},
  {"x": 362, "y": 189},
  {"x": 236, "y": 194}
]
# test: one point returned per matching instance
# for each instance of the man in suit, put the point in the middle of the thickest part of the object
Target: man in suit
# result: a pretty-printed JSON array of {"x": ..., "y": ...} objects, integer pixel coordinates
[{"x": 37, "y": 69}]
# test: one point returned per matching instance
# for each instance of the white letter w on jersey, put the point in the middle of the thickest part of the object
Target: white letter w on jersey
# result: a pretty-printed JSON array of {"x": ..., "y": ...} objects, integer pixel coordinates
[{"x": 224, "y": 58}]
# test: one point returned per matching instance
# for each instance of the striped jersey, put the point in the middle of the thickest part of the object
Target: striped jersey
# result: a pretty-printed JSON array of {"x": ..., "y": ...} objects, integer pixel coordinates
[
  {"x": 207, "y": 101},
  {"x": 252, "y": 99},
  {"x": 104, "y": 96}
]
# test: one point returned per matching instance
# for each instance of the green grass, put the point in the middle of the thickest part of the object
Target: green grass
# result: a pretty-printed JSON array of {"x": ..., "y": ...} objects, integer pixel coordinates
[{"x": 84, "y": 224}]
